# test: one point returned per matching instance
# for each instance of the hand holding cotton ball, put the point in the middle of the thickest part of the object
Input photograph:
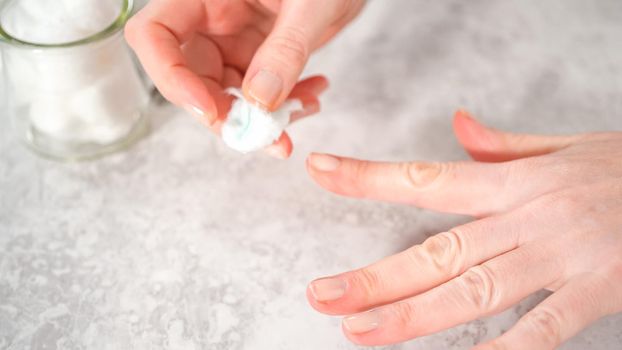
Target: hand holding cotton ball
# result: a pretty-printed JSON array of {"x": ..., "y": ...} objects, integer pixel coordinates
[{"x": 250, "y": 128}]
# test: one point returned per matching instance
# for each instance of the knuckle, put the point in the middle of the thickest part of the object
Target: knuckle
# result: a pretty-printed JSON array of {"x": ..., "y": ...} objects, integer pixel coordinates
[
  {"x": 564, "y": 204},
  {"x": 554, "y": 171},
  {"x": 420, "y": 175},
  {"x": 368, "y": 282},
  {"x": 516, "y": 170},
  {"x": 480, "y": 289},
  {"x": 443, "y": 251},
  {"x": 545, "y": 323},
  {"x": 360, "y": 170},
  {"x": 360, "y": 177},
  {"x": 290, "y": 45},
  {"x": 405, "y": 314}
]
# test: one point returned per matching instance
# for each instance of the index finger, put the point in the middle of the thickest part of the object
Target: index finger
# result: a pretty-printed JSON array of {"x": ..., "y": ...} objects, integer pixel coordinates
[
  {"x": 471, "y": 188},
  {"x": 156, "y": 35}
]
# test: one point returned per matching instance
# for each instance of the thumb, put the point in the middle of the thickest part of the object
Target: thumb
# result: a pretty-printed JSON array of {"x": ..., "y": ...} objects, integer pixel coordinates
[
  {"x": 489, "y": 145},
  {"x": 280, "y": 60}
]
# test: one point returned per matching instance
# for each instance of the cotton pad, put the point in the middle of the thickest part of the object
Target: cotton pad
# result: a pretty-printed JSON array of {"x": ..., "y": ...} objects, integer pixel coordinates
[{"x": 250, "y": 128}]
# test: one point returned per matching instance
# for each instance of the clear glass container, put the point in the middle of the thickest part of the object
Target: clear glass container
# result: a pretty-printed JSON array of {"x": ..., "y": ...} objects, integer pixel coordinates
[{"x": 73, "y": 100}]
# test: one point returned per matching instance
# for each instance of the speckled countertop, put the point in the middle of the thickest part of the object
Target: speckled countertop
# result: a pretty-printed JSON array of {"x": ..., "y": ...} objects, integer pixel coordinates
[{"x": 179, "y": 243}]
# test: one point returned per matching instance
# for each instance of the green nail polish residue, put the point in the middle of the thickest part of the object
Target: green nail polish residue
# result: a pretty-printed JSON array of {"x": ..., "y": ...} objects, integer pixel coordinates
[{"x": 250, "y": 128}]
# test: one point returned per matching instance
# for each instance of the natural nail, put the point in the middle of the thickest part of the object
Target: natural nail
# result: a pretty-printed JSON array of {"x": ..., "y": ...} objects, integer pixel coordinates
[
  {"x": 363, "y": 322},
  {"x": 266, "y": 87},
  {"x": 464, "y": 113},
  {"x": 275, "y": 151},
  {"x": 197, "y": 113},
  {"x": 324, "y": 162},
  {"x": 328, "y": 289}
]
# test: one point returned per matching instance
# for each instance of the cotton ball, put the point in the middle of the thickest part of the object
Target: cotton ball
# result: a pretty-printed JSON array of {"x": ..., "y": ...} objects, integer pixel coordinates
[
  {"x": 85, "y": 94},
  {"x": 250, "y": 128},
  {"x": 59, "y": 21},
  {"x": 50, "y": 115},
  {"x": 107, "y": 111}
]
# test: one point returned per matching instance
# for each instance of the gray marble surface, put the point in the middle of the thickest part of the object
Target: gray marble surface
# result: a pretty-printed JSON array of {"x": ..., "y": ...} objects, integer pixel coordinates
[{"x": 179, "y": 243}]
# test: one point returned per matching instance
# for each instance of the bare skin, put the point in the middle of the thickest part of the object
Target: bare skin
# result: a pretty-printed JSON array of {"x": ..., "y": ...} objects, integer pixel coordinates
[
  {"x": 194, "y": 49},
  {"x": 550, "y": 212},
  {"x": 549, "y": 209}
]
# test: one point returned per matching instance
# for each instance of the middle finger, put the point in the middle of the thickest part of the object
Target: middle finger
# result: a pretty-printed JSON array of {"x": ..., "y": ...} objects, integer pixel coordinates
[{"x": 481, "y": 291}]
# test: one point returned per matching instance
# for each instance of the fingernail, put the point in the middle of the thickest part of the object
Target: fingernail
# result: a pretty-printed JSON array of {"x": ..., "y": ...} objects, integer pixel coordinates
[
  {"x": 275, "y": 151},
  {"x": 310, "y": 109},
  {"x": 324, "y": 162},
  {"x": 197, "y": 113},
  {"x": 465, "y": 114},
  {"x": 265, "y": 88},
  {"x": 363, "y": 322},
  {"x": 328, "y": 289}
]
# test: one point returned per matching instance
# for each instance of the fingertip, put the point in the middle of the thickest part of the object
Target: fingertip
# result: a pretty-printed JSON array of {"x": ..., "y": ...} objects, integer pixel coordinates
[
  {"x": 476, "y": 138},
  {"x": 463, "y": 114},
  {"x": 325, "y": 82},
  {"x": 195, "y": 94},
  {"x": 286, "y": 144},
  {"x": 315, "y": 304},
  {"x": 319, "y": 84},
  {"x": 464, "y": 124},
  {"x": 231, "y": 77},
  {"x": 464, "y": 120},
  {"x": 266, "y": 88},
  {"x": 314, "y": 85},
  {"x": 280, "y": 149},
  {"x": 325, "y": 171},
  {"x": 132, "y": 30},
  {"x": 310, "y": 106},
  {"x": 322, "y": 162},
  {"x": 362, "y": 339}
]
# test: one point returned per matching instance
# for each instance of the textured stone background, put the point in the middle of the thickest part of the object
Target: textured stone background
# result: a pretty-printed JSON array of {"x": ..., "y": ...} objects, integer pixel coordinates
[{"x": 180, "y": 243}]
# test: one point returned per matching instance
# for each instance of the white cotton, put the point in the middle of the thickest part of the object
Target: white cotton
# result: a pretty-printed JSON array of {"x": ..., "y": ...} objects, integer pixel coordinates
[
  {"x": 83, "y": 94},
  {"x": 250, "y": 128},
  {"x": 59, "y": 21}
]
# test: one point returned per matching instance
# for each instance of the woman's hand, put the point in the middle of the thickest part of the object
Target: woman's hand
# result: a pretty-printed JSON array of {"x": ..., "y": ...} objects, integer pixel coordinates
[
  {"x": 550, "y": 212},
  {"x": 193, "y": 49}
]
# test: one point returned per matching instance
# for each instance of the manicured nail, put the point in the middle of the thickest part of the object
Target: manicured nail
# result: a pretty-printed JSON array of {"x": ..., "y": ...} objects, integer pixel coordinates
[
  {"x": 328, "y": 289},
  {"x": 324, "y": 162},
  {"x": 265, "y": 88},
  {"x": 363, "y": 322}
]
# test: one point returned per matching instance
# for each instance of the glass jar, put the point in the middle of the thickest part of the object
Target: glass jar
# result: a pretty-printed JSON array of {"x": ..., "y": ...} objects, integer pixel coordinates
[{"x": 78, "y": 99}]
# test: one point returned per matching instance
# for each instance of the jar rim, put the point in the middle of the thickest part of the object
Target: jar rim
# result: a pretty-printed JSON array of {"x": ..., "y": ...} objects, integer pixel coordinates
[{"x": 114, "y": 27}]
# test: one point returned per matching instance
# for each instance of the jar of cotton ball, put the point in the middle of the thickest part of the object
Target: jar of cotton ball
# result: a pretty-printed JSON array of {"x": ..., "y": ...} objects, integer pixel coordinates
[{"x": 72, "y": 89}]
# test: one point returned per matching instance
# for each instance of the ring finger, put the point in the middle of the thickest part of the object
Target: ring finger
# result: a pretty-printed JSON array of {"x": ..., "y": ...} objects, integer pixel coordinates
[{"x": 482, "y": 290}]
